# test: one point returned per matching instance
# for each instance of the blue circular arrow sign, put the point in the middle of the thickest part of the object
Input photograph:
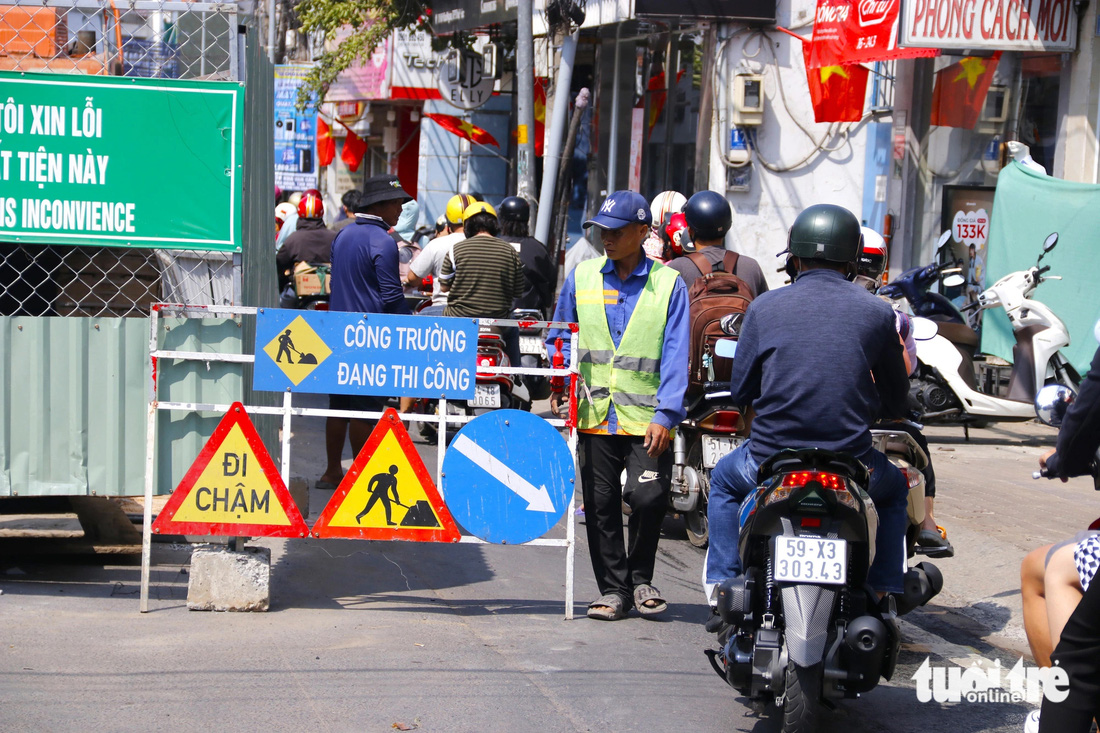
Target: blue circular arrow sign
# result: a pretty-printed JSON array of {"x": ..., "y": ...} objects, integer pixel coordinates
[{"x": 507, "y": 477}]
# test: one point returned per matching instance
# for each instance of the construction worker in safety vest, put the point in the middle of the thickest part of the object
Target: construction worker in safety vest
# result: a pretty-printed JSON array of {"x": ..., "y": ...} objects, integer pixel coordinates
[{"x": 632, "y": 353}]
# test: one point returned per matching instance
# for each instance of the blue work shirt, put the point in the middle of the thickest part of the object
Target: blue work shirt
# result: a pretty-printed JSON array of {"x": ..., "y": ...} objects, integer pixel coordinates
[
  {"x": 674, "y": 356},
  {"x": 818, "y": 361},
  {"x": 365, "y": 269}
]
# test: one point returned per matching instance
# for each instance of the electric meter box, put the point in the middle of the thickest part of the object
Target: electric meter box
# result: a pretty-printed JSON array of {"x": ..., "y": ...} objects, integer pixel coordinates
[{"x": 748, "y": 100}]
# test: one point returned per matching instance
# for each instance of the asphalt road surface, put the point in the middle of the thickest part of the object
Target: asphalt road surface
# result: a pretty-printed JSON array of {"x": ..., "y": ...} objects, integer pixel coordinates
[{"x": 381, "y": 636}]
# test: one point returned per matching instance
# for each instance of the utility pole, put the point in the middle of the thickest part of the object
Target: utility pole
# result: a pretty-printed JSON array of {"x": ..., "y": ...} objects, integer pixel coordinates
[
  {"x": 525, "y": 106},
  {"x": 553, "y": 144}
]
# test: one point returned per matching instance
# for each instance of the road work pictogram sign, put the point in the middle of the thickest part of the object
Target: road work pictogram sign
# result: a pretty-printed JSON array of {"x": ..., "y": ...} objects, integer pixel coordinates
[
  {"x": 387, "y": 494},
  {"x": 327, "y": 352},
  {"x": 297, "y": 350},
  {"x": 232, "y": 489}
]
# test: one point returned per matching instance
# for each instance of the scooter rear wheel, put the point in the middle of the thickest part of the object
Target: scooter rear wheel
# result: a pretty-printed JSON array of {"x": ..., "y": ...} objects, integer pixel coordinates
[{"x": 801, "y": 703}]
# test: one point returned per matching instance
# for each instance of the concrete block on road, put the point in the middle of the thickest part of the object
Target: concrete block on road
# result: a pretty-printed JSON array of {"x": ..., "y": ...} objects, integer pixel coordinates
[{"x": 224, "y": 580}]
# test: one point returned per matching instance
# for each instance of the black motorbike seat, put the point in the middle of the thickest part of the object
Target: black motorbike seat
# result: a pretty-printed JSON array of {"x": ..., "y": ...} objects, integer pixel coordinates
[{"x": 813, "y": 459}]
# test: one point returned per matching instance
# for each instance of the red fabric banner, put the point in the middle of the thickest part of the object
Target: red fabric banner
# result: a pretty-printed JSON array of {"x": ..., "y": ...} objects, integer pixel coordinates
[
  {"x": 858, "y": 31},
  {"x": 462, "y": 128},
  {"x": 837, "y": 92},
  {"x": 326, "y": 146},
  {"x": 355, "y": 148},
  {"x": 960, "y": 90}
]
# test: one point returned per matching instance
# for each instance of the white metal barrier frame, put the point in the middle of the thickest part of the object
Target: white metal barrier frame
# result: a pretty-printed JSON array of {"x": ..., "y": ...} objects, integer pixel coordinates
[{"x": 287, "y": 411}]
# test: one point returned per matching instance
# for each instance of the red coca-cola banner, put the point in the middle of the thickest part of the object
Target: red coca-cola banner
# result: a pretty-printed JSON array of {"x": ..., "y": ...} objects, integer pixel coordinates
[{"x": 858, "y": 31}]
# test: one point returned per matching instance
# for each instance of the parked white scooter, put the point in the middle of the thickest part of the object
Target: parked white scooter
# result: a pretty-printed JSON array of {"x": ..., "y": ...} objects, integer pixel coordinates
[{"x": 947, "y": 389}]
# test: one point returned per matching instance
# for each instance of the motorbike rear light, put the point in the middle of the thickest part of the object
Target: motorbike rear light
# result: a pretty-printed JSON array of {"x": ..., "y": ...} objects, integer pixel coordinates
[
  {"x": 811, "y": 522},
  {"x": 912, "y": 476},
  {"x": 722, "y": 421},
  {"x": 827, "y": 480},
  {"x": 487, "y": 360}
]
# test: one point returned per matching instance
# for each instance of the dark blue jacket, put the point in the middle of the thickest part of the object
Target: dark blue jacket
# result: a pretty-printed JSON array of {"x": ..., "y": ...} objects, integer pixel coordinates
[
  {"x": 365, "y": 272},
  {"x": 805, "y": 360}
]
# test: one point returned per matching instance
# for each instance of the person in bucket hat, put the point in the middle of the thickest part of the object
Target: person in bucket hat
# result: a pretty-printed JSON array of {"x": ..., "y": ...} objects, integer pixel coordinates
[{"x": 365, "y": 279}]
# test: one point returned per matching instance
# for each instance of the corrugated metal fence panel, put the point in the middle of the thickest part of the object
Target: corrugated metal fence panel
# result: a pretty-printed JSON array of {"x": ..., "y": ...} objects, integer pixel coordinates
[
  {"x": 72, "y": 413},
  {"x": 181, "y": 435},
  {"x": 259, "y": 284}
]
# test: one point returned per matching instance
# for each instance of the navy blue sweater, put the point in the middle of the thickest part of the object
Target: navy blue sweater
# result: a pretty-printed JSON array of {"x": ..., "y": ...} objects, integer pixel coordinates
[{"x": 805, "y": 360}]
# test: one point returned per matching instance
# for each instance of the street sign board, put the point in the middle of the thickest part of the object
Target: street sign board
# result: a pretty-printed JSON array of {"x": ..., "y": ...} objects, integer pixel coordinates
[
  {"x": 295, "y": 132},
  {"x": 329, "y": 352},
  {"x": 463, "y": 81},
  {"x": 508, "y": 476},
  {"x": 387, "y": 494},
  {"x": 232, "y": 489},
  {"x": 84, "y": 159}
]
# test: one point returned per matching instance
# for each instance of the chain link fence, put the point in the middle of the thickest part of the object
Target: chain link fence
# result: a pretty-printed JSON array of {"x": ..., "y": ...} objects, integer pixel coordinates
[{"x": 168, "y": 39}]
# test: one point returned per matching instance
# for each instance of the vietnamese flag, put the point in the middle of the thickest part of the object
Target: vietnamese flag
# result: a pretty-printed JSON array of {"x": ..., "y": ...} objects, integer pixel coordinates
[
  {"x": 656, "y": 87},
  {"x": 837, "y": 92},
  {"x": 355, "y": 148},
  {"x": 463, "y": 128},
  {"x": 326, "y": 146},
  {"x": 960, "y": 91},
  {"x": 540, "y": 115}
]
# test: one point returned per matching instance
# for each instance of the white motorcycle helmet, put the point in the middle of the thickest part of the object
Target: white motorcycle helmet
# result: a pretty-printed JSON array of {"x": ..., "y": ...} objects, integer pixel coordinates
[
  {"x": 871, "y": 263},
  {"x": 665, "y": 204}
]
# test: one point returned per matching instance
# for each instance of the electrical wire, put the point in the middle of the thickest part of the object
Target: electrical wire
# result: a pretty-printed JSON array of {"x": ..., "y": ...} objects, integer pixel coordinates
[{"x": 842, "y": 131}]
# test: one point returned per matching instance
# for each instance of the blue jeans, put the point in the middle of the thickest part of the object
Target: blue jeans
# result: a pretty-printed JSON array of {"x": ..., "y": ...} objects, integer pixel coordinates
[{"x": 734, "y": 478}]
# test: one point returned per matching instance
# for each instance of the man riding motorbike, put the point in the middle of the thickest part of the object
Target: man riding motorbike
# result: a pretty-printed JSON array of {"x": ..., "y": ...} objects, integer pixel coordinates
[{"x": 817, "y": 362}]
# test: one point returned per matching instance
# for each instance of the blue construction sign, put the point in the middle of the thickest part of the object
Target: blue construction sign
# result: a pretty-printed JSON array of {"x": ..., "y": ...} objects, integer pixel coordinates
[
  {"x": 328, "y": 352},
  {"x": 507, "y": 477}
]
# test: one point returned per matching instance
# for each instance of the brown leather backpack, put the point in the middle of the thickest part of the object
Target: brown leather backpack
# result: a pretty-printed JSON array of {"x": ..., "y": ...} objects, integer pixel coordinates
[{"x": 714, "y": 294}]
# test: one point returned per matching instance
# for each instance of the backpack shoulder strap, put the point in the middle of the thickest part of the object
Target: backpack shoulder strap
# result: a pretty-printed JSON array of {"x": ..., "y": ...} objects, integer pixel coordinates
[
  {"x": 701, "y": 262},
  {"x": 729, "y": 262}
]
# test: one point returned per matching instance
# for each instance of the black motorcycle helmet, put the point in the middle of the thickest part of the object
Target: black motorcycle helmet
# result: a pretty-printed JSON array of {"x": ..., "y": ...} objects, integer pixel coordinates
[
  {"x": 514, "y": 208},
  {"x": 825, "y": 232},
  {"x": 709, "y": 214}
]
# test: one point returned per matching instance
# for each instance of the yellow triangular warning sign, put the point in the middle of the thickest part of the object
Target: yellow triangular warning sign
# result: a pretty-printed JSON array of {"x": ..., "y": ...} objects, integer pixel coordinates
[
  {"x": 232, "y": 489},
  {"x": 387, "y": 494}
]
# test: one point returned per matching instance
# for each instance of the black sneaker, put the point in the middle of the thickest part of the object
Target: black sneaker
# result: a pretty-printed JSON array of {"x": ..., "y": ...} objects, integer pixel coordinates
[{"x": 714, "y": 622}]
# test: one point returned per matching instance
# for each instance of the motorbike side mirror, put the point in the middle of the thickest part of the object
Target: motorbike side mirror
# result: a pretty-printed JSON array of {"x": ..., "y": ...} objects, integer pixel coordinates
[
  {"x": 953, "y": 281},
  {"x": 924, "y": 329},
  {"x": 943, "y": 240},
  {"x": 1051, "y": 404},
  {"x": 1050, "y": 241},
  {"x": 1096, "y": 332}
]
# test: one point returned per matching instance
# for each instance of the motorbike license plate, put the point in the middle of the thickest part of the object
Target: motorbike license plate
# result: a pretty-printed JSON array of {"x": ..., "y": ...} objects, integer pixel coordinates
[
  {"x": 811, "y": 560},
  {"x": 531, "y": 345},
  {"x": 714, "y": 447},
  {"x": 486, "y": 395}
]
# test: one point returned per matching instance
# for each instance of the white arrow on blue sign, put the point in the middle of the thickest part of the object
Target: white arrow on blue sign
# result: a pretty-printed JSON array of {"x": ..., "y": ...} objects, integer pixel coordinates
[{"x": 507, "y": 477}]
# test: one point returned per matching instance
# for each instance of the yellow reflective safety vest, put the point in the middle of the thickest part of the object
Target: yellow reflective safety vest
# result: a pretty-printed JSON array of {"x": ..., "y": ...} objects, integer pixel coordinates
[{"x": 626, "y": 376}]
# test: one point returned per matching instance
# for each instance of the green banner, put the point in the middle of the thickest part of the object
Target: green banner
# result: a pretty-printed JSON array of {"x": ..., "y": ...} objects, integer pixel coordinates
[
  {"x": 88, "y": 160},
  {"x": 1026, "y": 208}
]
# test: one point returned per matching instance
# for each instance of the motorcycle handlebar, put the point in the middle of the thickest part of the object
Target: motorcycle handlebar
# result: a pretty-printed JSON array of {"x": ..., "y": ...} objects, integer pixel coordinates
[
  {"x": 1044, "y": 268},
  {"x": 970, "y": 306}
]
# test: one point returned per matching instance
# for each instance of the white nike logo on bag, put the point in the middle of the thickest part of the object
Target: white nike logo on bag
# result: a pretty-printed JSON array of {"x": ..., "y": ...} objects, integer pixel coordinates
[{"x": 648, "y": 476}]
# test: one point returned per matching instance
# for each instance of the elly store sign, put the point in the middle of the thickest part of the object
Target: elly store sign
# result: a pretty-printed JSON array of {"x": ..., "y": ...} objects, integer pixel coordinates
[{"x": 1009, "y": 25}]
